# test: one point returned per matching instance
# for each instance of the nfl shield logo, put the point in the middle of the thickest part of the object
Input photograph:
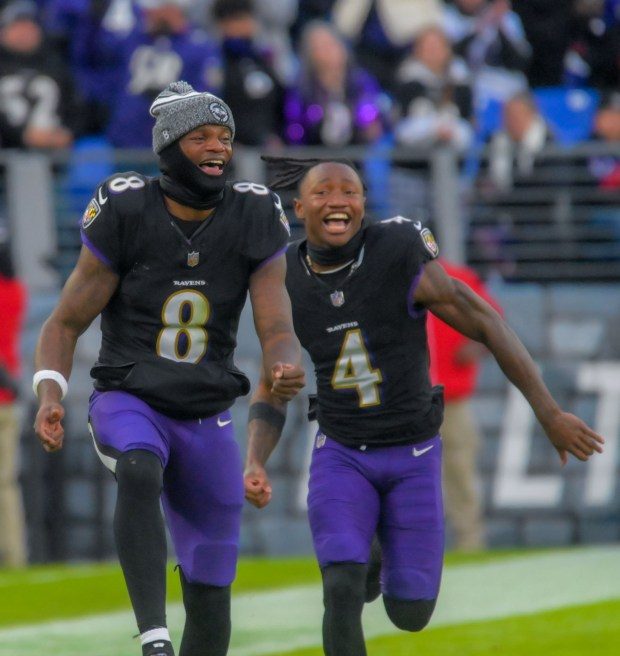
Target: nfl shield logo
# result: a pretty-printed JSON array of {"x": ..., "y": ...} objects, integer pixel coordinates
[
  {"x": 193, "y": 258},
  {"x": 320, "y": 440},
  {"x": 337, "y": 298}
]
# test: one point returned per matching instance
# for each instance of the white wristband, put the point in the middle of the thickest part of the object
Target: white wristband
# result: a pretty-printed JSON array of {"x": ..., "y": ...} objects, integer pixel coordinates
[{"x": 50, "y": 374}]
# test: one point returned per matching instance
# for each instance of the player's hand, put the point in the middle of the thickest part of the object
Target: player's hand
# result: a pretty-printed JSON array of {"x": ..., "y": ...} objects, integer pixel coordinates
[
  {"x": 257, "y": 486},
  {"x": 569, "y": 434},
  {"x": 48, "y": 428},
  {"x": 286, "y": 380}
]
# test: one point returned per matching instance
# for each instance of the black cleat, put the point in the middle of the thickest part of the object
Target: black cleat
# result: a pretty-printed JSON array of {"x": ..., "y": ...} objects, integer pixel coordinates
[
  {"x": 158, "y": 648},
  {"x": 373, "y": 576}
]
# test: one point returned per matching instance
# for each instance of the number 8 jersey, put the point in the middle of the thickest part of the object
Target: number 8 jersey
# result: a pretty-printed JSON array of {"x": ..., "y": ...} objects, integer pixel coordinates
[
  {"x": 367, "y": 340},
  {"x": 169, "y": 331}
]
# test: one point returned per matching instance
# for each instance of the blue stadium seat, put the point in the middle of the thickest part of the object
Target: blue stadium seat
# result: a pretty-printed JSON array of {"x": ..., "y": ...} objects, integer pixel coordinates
[
  {"x": 92, "y": 160},
  {"x": 488, "y": 119},
  {"x": 568, "y": 111}
]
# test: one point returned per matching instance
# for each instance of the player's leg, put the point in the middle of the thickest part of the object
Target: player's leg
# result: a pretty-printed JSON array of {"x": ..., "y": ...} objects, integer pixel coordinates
[
  {"x": 207, "y": 624},
  {"x": 460, "y": 480},
  {"x": 203, "y": 498},
  {"x": 343, "y": 509},
  {"x": 128, "y": 439},
  {"x": 373, "y": 575},
  {"x": 411, "y": 529}
]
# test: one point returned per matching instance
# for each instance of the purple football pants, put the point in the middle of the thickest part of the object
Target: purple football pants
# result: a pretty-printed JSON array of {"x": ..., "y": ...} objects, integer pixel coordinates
[
  {"x": 394, "y": 491},
  {"x": 203, "y": 478}
]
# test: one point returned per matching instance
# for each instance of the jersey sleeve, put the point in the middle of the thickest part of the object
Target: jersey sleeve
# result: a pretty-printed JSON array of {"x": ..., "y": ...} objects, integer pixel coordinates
[
  {"x": 413, "y": 245},
  {"x": 269, "y": 231},
  {"x": 103, "y": 226},
  {"x": 423, "y": 249}
]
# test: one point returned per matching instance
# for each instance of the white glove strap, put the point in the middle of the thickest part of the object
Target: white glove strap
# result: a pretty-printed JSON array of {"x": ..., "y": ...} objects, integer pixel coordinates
[{"x": 50, "y": 374}]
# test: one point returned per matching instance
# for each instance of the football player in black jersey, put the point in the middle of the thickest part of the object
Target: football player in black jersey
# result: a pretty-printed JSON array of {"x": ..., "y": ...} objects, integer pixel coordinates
[
  {"x": 168, "y": 262},
  {"x": 360, "y": 294}
]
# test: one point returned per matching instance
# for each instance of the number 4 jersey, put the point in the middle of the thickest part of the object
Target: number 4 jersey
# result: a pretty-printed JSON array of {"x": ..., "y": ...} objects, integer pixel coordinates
[
  {"x": 169, "y": 331},
  {"x": 367, "y": 340}
]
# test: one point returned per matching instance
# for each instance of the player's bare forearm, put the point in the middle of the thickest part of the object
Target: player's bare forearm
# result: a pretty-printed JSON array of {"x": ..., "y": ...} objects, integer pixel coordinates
[
  {"x": 263, "y": 436},
  {"x": 265, "y": 421},
  {"x": 88, "y": 289},
  {"x": 457, "y": 305}
]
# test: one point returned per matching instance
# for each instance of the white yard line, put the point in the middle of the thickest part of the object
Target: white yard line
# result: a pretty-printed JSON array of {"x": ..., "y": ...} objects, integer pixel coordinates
[{"x": 290, "y": 618}]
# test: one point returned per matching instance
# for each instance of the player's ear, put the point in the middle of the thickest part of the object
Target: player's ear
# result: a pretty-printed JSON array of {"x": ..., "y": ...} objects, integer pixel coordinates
[{"x": 299, "y": 209}]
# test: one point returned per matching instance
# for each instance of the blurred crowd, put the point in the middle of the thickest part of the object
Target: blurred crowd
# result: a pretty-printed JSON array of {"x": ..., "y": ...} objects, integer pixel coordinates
[{"x": 413, "y": 73}]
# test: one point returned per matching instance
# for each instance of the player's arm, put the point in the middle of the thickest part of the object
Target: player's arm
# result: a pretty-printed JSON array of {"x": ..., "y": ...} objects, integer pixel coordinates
[
  {"x": 271, "y": 307},
  {"x": 456, "y": 304},
  {"x": 266, "y": 418},
  {"x": 85, "y": 294}
]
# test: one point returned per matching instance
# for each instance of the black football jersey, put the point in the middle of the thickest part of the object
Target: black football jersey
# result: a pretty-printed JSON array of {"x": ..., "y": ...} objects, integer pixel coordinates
[
  {"x": 367, "y": 340},
  {"x": 169, "y": 331}
]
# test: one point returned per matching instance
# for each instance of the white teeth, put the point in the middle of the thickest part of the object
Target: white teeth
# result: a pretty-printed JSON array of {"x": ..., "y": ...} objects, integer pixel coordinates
[{"x": 337, "y": 216}]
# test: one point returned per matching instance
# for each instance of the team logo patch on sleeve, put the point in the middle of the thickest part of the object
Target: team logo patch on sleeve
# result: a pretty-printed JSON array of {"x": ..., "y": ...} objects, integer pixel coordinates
[
  {"x": 429, "y": 242},
  {"x": 91, "y": 212}
]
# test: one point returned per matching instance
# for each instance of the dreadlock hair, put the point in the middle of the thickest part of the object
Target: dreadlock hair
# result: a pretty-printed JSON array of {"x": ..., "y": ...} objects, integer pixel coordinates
[{"x": 286, "y": 173}]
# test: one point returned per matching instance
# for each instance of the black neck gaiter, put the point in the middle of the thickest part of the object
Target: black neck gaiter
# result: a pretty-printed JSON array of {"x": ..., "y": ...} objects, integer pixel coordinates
[
  {"x": 340, "y": 255},
  {"x": 184, "y": 182}
]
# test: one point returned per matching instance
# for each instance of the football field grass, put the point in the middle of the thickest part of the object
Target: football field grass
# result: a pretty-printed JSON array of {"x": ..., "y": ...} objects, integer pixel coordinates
[{"x": 543, "y": 603}]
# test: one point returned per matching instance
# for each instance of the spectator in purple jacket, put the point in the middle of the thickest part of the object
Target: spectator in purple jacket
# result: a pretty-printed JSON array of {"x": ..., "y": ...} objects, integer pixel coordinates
[
  {"x": 162, "y": 46},
  {"x": 335, "y": 102},
  {"x": 90, "y": 33}
]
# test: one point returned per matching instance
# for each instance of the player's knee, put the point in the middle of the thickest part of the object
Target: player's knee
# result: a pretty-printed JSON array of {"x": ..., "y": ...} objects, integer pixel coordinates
[
  {"x": 200, "y": 598},
  {"x": 409, "y": 615},
  {"x": 139, "y": 473},
  {"x": 344, "y": 582}
]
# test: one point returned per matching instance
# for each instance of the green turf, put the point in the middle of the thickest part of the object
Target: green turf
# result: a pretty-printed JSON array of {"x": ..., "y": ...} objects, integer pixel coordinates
[
  {"x": 577, "y": 631},
  {"x": 64, "y": 591},
  {"x": 61, "y": 591}
]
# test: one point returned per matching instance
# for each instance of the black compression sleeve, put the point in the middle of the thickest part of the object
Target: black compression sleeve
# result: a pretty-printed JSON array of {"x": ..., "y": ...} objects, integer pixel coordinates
[{"x": 267, "y": 413}]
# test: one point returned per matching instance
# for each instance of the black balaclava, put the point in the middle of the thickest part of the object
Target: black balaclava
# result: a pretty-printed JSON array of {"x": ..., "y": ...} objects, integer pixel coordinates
[{"x": 184, "y": 182}]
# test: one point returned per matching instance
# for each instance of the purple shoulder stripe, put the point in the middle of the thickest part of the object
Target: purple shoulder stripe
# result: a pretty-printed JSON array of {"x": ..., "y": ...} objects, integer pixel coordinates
[
  {"x": 95, "y": 251},
  {"x": 414, "y": 312},
  {"x": 271, "y": 257}
]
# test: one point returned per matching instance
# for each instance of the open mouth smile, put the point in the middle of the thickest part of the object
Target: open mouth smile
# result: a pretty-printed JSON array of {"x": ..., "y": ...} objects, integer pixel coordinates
[
  {"x": 337, "y": 223},
  {"x": 212, "y": 166}
]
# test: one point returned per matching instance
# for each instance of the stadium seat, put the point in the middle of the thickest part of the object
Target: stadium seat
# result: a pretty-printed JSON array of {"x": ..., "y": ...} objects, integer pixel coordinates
[
  {"x": 91, "y": 162},
  {"x": 488, "y": 119},
  {"x": 568, "y": 111}
]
